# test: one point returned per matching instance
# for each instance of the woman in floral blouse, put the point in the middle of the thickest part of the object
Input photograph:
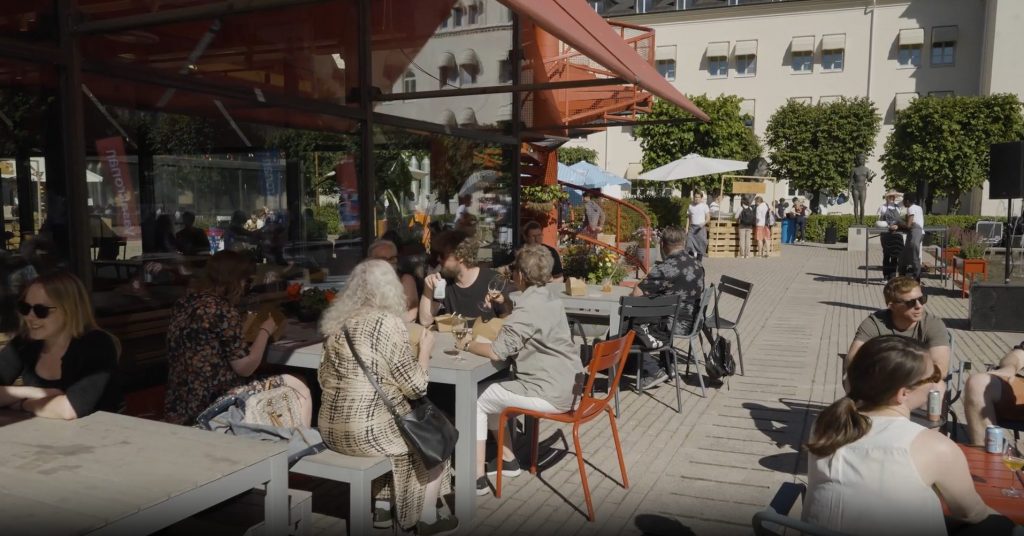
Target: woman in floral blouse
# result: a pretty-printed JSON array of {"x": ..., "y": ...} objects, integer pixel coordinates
[{"x": 206, "y": 353}]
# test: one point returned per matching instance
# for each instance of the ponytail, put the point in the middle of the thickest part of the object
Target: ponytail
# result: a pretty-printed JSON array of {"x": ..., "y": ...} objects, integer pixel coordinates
[{"x": 838, "y": 425}]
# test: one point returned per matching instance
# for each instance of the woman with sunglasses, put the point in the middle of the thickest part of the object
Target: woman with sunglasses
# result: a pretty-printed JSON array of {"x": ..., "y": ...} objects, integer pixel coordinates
[
  {"x": 873, "y": 471},
  {"x": 68, "y": 366},
  {"x": 207, "y": 355}
]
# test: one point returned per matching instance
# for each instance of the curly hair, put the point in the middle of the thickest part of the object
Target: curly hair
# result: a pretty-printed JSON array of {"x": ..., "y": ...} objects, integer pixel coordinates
[
  {"x": 458, "y": 243},
  {"x": 372, "y": 287}
]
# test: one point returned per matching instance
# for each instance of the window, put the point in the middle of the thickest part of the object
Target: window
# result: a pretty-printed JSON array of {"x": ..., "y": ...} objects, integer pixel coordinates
[
  {"x": 940, "y": 94},
  {"x": 944, "y": 45},
  {"x": 457, "y": 15},
  {"x": 909, "y": 56},
  {"x": 718, "y": 67},
  {"x": 666, "y": 68},
  {"x": 801, "y": 100},
  {"x": 504, "y": 71},
  {"x": 746, "y": 65},
  {"x": 832, "y": 60},
  {"x": 803, "y": 62},
  {"x": 467, "y": 76},
  {"x": 409, "y": 82},
  {"x": 448, "y": 76},
  {"x": 446, "y": 22},
  {"x": 474, "y": 14}
]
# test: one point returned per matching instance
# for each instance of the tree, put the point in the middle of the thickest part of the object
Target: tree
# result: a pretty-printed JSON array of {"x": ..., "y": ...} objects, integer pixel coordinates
[
  {"x": 726, "y": 136},
  {"x": 941, "y": 145},
  {"x": 572, "y": 155},
  {"x": 813, "y": 146}
]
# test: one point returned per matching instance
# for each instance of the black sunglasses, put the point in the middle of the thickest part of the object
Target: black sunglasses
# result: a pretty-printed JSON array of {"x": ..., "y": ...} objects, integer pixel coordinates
[
  {"x": 912, "y": 302},
  {"x": 41, "y": 311}
]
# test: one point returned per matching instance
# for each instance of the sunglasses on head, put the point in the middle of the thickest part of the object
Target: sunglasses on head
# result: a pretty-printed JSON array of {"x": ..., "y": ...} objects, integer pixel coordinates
[
  {"x": 41, "y": 311},
  {"x": 934, "y": 378},
  {"x": 912, "y": 302}
]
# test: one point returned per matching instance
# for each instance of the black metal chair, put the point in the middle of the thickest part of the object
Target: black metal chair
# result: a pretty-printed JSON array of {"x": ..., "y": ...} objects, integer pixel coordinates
[
  {"x": 694, "y": 335},
  {"x": 738, "y": 289},
  {"x": 649, "y": 309}
]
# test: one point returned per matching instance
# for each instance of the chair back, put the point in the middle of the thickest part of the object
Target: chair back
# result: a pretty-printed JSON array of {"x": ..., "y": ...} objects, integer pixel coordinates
[
  {"x": 991, "y": 231},
  {"x": 736, "y": 288},
  {"x": 607, "y": 354},
  {"x": 702, "y": 312},
  {"x": 631, "y": 307},
  {"x": 774, "y": 520}
]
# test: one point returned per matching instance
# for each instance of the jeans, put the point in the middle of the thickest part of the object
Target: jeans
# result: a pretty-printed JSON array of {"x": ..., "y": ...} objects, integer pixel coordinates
[
  {"x": 801, "y": 226},
  {"x": 745, "y": 234}
]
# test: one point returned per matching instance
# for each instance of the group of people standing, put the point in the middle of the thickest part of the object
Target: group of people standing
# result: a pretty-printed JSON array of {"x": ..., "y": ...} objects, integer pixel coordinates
[{"x": 901, "y": 255}]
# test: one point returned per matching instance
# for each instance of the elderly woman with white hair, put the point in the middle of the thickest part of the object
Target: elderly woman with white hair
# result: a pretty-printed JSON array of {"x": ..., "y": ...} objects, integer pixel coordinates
[
  {"x": 354, "y": 419},
  {"x": 545, "y": 360}
]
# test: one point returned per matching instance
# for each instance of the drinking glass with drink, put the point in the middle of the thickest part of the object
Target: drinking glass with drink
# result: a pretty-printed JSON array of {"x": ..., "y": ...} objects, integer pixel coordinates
[
  {"x": 459, "y": 330},
  {"x": 1014, "y": 461}
]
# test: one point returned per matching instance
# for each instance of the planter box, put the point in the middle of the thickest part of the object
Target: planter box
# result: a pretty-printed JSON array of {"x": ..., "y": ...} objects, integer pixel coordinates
[{"x": 968, "y": 268}]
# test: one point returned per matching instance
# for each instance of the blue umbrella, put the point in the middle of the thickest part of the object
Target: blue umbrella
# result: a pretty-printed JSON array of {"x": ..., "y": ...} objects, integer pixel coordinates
[{"x": 595, "y": 177}]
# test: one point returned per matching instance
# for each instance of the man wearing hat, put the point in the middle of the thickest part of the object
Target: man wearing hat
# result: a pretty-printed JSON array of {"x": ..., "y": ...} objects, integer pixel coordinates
[{"x": 892, "y": 241}]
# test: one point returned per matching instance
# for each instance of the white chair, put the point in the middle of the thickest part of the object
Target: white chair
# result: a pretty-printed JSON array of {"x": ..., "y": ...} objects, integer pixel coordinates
[{"x": 991, "y": 232}]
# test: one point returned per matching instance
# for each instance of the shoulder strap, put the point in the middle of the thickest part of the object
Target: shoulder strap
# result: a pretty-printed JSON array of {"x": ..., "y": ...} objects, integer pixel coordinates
[{"x": 366, "y": 371}]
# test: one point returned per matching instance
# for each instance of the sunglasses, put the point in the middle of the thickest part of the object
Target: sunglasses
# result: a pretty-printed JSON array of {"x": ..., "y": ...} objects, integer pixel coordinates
[
  {"x": 934, "y": 378},
  {"x": 41, "y": 311},
  {"x": 912, "y": 302}
]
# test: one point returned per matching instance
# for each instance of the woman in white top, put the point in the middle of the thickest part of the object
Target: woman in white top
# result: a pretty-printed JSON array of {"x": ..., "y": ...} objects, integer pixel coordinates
[
  {"x": 762, "y": 234},
  {"x": 872, "y": 470}
]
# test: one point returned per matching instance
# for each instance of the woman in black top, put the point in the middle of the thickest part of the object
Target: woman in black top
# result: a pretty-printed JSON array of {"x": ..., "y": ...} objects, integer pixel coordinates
[{"x": 67, "y": 365}]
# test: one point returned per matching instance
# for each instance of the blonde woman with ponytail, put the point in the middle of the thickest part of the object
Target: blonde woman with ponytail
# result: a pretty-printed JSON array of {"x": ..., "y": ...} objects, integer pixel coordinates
[{"x": 873, "y": 471}]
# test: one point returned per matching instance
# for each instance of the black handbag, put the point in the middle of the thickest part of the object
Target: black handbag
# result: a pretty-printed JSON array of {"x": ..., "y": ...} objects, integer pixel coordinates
[
  {"x": 425, "y": 428},
  {"x": 720, "y": 363}
]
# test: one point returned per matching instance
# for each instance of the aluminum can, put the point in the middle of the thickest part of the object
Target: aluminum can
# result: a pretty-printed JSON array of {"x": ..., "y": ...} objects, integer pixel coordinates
[
  {"x": 934, "y": 405},
  {"x": 994, "y": 440},
  {"x": 439, "y": 289}
]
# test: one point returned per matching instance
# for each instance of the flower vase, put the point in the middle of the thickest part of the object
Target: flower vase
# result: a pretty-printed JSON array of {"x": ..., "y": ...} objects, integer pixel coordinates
[{"x": 606, "y": 286}]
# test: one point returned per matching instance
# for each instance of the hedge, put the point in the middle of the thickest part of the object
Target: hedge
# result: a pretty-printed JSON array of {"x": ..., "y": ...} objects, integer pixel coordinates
[
  {"x": 327, "y": 215},
  {"x": 665, "y": 211},
  {"x": 816, "y": 224}
]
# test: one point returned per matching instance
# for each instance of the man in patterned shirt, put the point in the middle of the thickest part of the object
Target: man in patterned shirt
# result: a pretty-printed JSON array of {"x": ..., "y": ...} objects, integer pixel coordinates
[{"x": 677, "y": 273}]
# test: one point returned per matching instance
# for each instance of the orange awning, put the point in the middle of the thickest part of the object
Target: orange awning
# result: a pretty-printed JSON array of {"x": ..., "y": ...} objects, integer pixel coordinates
[{"x": 576, "y": 23}]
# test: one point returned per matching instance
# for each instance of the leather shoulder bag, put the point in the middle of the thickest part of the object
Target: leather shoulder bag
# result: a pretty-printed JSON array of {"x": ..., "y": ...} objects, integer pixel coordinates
[{"x": 425, "y": 428}]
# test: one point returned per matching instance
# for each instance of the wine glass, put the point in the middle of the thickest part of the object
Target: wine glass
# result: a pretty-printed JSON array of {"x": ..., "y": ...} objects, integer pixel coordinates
[
  {"x": 495, "y": 287},
  {"x": 1014, "y": 461},
  {"x": 459, "y": 331}
]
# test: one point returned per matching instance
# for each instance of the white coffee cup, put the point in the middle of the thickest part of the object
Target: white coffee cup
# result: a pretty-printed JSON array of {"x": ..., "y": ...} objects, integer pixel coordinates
[{"x": 439, "y": 289}]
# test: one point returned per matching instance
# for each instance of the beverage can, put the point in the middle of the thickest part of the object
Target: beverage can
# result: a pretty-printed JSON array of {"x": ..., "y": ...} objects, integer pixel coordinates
[
  {"x": 934, "y": 405},
  {"x": 994, "y": 439},
  {"x": 439, "y": 289}
]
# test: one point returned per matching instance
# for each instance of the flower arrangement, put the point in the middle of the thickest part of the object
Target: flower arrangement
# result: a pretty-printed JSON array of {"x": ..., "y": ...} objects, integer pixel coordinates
[
  {"x": 309, "y": 303},
  {"x": 606, "y": 266}
]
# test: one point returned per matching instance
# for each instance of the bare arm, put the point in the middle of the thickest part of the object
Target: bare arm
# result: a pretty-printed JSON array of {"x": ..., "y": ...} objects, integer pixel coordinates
[
  {"x": 411, "y": 299},
  {"x": 427, "y": 306},
  {"x": 940, "y": 355},
  {"x": 245, "y": 366},
  {"x": 483, "y": 349},
  {"x": 54, "y": 407},
  {"x": 11, "y": 394},
  {"x": 941, "y": 463}
]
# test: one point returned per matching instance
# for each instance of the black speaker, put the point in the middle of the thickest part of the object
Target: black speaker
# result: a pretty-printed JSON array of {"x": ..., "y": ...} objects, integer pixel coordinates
[
  {"x": 1006, "y": 170},
  {"x": 997, "y": 307}
]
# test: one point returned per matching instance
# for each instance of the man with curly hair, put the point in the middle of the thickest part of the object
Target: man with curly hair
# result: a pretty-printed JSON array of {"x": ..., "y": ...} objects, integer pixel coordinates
[{"x": 465, "y": 282}]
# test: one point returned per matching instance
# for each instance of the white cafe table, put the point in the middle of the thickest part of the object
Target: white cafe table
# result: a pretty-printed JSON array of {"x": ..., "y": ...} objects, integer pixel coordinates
[
  {"x": 596, "y": 303},
  {"x": 302, "y": 347},
  {"x": 114, "y": 474}
]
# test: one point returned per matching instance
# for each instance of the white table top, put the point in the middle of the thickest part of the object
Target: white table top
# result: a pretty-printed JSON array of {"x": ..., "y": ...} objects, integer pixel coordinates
[
  {"x": 71, "y": 477},
  {"x": 594, "y": 293}
]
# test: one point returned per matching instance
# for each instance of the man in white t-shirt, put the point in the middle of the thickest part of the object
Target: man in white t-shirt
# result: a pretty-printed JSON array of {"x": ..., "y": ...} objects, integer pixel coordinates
[
  {"x": 762, "y": 233},
  {"x": 914, "y": 227},
  {"x": 698, "y": 215}
]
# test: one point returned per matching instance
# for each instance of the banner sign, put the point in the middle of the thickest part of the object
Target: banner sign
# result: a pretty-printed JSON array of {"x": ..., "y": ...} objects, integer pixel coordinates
[
  {"x": 270, "y": 186},
  {"x": 348, "y": 195},
  {"x": 118, "y": 177}
]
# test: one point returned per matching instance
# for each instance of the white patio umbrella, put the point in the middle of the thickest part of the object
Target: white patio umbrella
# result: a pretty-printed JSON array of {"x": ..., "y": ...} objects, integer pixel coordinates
[
  {"x": 691, "y": 165},
  {"x": 478, "y": 181}
]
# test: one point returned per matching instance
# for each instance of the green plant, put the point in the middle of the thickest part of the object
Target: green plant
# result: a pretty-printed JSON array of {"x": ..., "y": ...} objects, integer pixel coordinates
[
  {"x": 947, "y": 141},
  {"x": 316, "y": 299},
  {"x": 327, "y": 215},
  {"x": 596, "y": 266},
  {"x": 545, "y": 193},
  {"x": 972, "y": 245},
  {"x": 572, "y": 155},
  {"x": 813, "y": 146},
  {"x": 664, "y": 211}
]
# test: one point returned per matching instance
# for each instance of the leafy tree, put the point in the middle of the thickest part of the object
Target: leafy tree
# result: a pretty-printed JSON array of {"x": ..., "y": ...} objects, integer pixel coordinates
[
  {"x": 813, "y": 146},
  {"x": 726, "y": 136},
  {"x": 572, "y": 155},
  {"x": 944, "y": 143}
]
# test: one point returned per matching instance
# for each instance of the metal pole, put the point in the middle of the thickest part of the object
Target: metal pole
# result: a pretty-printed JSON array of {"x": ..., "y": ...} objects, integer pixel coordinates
[
  {"x": 517, "y": 111},
  {"x": 1008, "y": 237},
  {"x": 367, "y": 203}
]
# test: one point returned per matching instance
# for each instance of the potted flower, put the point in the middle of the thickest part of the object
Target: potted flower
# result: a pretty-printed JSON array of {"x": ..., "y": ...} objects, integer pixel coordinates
[
  {"x": 971, "y": 257},
  {"x": 606, "y": 268},
  {"x": 307, "y": 304},
  {"x": 542, "y": 199}
]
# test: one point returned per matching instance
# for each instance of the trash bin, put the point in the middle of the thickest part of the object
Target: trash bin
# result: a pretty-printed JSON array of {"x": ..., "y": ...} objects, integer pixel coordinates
[
  {"x": 788, "y": 231},
  {"x": 831, "y": 234}
]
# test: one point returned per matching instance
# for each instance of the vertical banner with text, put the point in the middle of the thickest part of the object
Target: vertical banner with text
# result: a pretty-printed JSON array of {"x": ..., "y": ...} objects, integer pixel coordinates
[
  {"x": 348, "y": 193},
  {"x": 271, "y": 173},
  {"x": 118, "y": 177}
]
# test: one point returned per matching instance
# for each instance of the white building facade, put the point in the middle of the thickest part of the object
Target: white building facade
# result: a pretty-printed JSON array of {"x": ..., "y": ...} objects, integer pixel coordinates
[{"x": 817, "y": 50}]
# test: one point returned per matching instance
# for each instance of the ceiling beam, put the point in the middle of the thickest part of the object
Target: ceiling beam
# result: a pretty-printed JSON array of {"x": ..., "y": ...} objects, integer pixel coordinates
[{"x": 186, "y": 14}]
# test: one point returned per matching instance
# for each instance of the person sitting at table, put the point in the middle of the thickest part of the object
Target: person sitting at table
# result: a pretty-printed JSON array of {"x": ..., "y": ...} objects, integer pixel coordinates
[
  {"x": 533, "y": 233},
  {"x": 546, "y": 361},
  {"x": 677, "y": 273},
  {"x": 905, "y": 315},
  {"x": 994, "y": 396},
  {"x": 191, "y": 240},
  {"x": 207, "y": 356},
  {"x": 354, "y": 420},
  {"x": 465, "y": 282},
  {"x": 871, "y": 470},
  {"x": 387, "y": 251},
  {"x": 67, "y": 365}
]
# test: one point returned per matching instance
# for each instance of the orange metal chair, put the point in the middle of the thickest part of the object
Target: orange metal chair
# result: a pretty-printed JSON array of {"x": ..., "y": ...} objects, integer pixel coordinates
[{"x": 608, "y": 355}]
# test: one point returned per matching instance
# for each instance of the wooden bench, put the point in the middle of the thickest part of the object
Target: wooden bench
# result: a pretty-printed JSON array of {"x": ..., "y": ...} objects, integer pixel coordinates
[{"x": 356, "y": 471}]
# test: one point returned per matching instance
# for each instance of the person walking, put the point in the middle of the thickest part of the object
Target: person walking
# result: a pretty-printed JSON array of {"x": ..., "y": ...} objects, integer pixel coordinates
[
  {"x": 745, "y": 220},
  {"x": 800, "y": 212},
  {"x": 698, "y": 216},
  {"x": 913, "y": 225}
]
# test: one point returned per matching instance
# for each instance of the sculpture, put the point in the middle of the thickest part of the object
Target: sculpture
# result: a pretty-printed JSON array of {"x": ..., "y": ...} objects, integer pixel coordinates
[{"x": 860, "y": 176}]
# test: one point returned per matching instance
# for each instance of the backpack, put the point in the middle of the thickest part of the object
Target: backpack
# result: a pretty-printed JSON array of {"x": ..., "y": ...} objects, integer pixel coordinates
[
  {"x": 720, "y": 363},
  {"x": 769, "y": 220},
  {"x": 747, "y": 217}
]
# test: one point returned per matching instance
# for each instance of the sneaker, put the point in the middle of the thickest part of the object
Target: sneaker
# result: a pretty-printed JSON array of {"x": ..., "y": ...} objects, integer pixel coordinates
[
  {"x": 652, "y": 381},
  {"x": 508, "y": 468},
  {"x": 443, "y": 525},
  {"x": 382, "y": 518},
  {"x": 483, "y": 487}
]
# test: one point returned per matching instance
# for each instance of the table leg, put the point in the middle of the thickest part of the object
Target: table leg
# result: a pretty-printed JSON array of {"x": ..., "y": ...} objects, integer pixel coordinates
[
  {"x": 465, "y": 447},
  {"x": 275, "y": 503}
]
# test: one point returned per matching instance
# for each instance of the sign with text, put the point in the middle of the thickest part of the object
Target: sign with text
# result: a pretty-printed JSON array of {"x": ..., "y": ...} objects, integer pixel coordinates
[
  {"x": 270, "y": 185},
  {"x": 118, "y": 177}
]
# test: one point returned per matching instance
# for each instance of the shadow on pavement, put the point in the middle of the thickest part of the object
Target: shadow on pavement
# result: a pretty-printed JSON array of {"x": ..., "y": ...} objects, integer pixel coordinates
[{"x": 655, "y": 525}]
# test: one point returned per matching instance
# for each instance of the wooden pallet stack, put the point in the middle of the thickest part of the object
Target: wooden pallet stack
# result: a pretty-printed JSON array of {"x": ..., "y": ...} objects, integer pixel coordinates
[{"x": 724, "y": 239}]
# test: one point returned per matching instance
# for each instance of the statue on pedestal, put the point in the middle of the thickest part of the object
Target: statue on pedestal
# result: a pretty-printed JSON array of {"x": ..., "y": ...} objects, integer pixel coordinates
[{"x": 860, "y": 176}]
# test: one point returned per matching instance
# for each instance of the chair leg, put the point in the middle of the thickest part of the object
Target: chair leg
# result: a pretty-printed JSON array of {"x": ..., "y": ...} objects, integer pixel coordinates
[
  {"x": 696, "y": 367},
  {"x": 502, "y": 424},
  {"x": 639, "y": 386},
  {"x": 534, "y": 446},
  {"x": 618, "y": 449},
  {"x": 739, "y": 350},
  {"x": 612, "y": 373},
  {"x": 583, "y": 470},
  {"x": 675, "y": 374}
]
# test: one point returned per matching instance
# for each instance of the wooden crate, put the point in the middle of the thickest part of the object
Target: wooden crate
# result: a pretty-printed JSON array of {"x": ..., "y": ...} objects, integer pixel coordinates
[{"x": 724, "y": 240}]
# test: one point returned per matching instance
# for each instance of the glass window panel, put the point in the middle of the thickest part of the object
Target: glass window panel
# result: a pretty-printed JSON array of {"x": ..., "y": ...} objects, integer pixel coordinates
[
  {"x": 909, "y": 56},
  {"x": 746, "y": 65},
  {"x": 943, "y": 53},
  {"x": 32, "y": 21},
  {"x": 667, "y": 68},
  {"x": 718, "y": 67},
  {"x": 803, "y": 62},
  {"x": 832, "y": 60}
]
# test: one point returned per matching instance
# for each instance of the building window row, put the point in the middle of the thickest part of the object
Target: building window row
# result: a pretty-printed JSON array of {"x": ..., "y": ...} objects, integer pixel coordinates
[
  {"x": 901, "y": 101},
  {"x": 459, "y": 72},
  {"x": 463, "y": 15},
  {"x": 910, "y": 49}
]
